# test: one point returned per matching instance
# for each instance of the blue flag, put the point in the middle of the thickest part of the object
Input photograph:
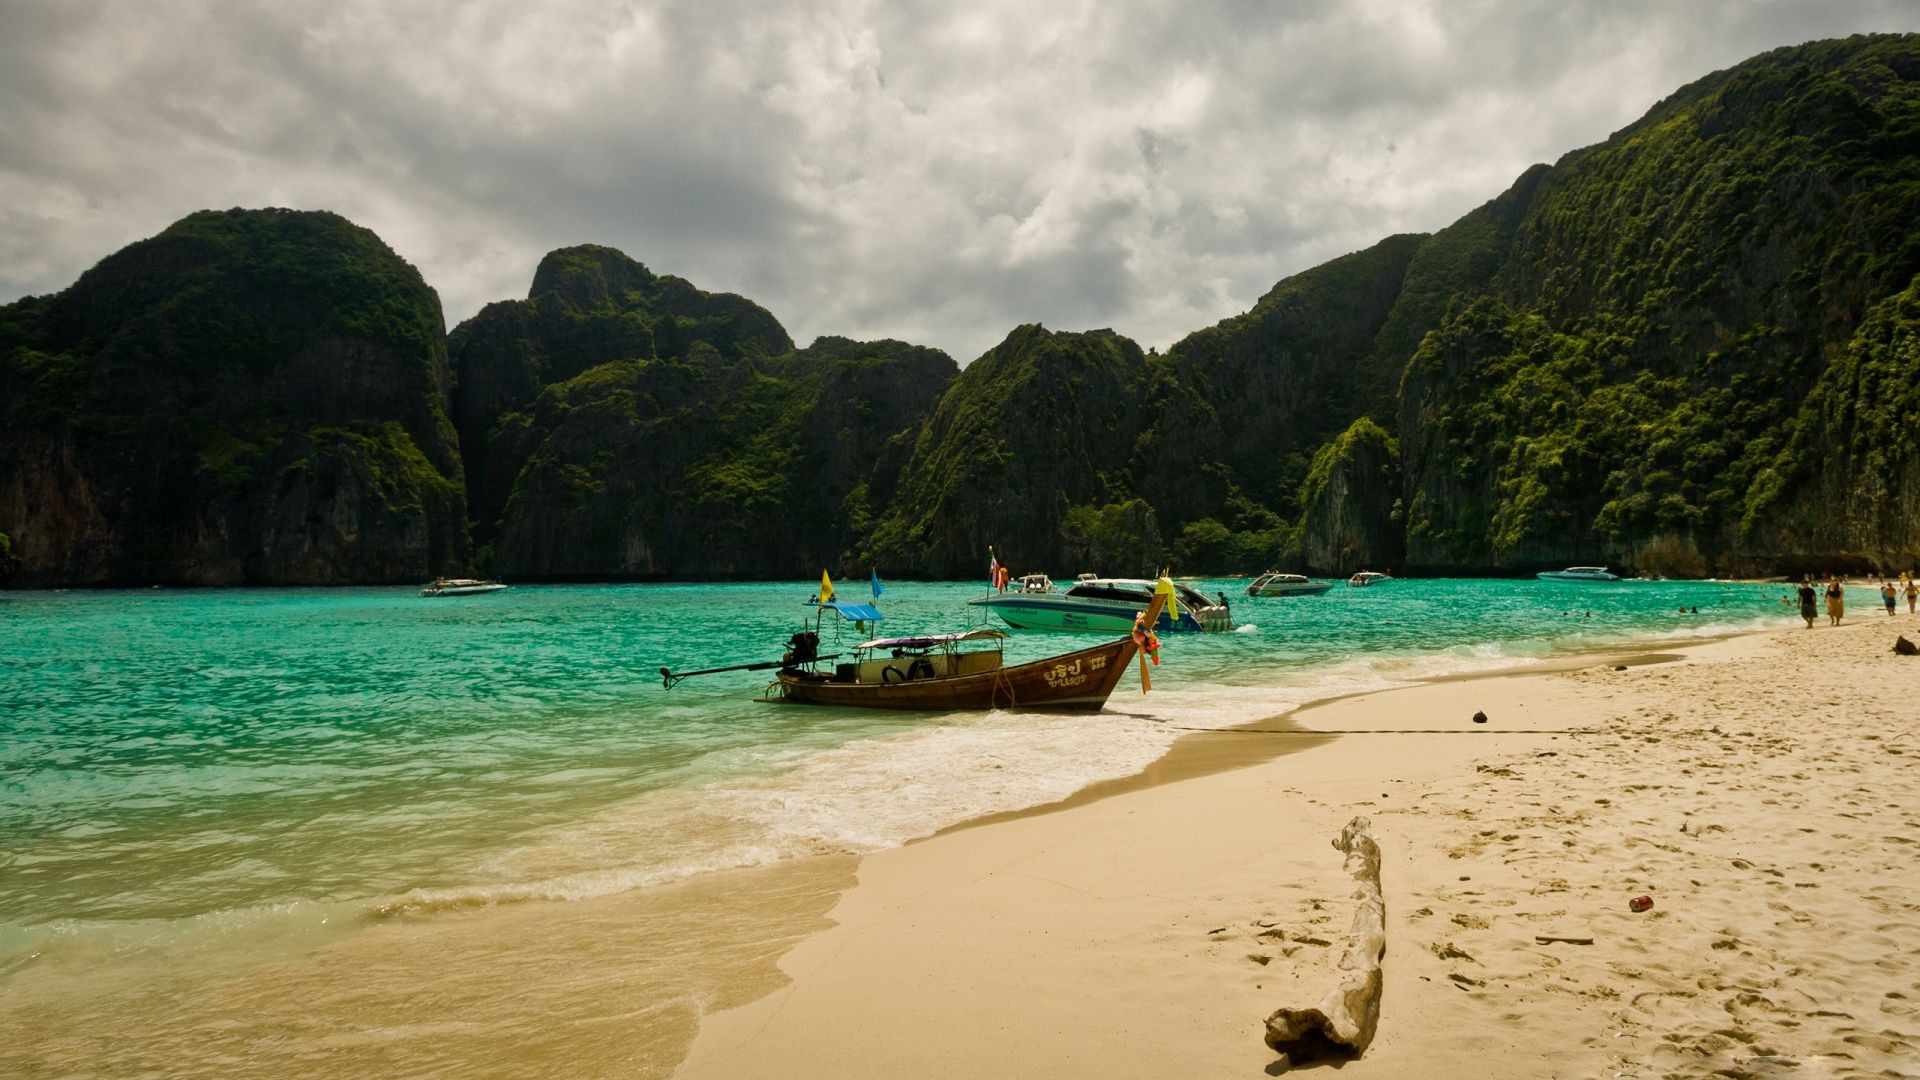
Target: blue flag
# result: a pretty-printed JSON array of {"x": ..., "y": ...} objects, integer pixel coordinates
[{"x": 877, "y": 590}]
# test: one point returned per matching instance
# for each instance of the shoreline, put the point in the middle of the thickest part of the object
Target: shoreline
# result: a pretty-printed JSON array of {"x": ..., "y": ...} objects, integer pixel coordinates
[
  {"x": 840, "y": 984},
  {"x": 1203, "y": 752}
]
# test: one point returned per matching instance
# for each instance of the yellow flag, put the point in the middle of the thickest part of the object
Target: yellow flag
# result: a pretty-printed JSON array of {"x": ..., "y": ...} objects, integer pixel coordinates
[
  {"x": 1164, "y": 587},
  {"x": 826, "y": 587}
]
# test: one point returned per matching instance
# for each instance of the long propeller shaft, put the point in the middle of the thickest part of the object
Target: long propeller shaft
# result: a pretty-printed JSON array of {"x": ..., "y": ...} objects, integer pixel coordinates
[{"x": 668, "y": 678}]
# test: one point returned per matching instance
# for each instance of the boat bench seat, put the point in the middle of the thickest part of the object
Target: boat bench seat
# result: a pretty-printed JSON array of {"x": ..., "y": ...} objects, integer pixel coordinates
[{"x": 873, "y": 671}]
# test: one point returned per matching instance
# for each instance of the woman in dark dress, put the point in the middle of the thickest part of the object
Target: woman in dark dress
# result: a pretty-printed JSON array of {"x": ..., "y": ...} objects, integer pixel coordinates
[
  {"x": 1836, "y": 601},
  {"x": 1807, "y": 602}
]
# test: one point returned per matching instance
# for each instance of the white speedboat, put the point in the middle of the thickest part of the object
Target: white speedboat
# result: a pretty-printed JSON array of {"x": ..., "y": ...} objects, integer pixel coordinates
[
  {"x": 460, "y": 587},
  {"x": 1107, "y": 605},
  {"x": 1365, "y": 578},
  {"x": 1579, "y": 573},
  {"x": 1274, "y": 583}
]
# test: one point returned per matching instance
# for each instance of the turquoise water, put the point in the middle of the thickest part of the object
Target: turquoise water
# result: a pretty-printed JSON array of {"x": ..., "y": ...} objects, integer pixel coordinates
[
  {"x": 165, "y": 755},
  {"x": 263, "y": 833}
]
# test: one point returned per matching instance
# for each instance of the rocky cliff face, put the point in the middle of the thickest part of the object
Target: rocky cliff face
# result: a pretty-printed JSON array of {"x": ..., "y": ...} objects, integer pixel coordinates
[
  {"x": 1844, "y": 493},
  {"x": 1626, "y": 385},
  {"x": 1040, "y": 424},
  {"x": 620, "y": 423},
  {"x": 1352, "y": 514},
  {"x": 250, "y": 397},
  {"x": 588, "y": 306},
  {"x": 1290, "y": 374},
  {"x": 1688, "y": 348}
]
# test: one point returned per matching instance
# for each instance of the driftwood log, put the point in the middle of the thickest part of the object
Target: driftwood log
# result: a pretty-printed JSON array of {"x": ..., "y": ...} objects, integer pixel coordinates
[{"x": 1346, "y": 1017}]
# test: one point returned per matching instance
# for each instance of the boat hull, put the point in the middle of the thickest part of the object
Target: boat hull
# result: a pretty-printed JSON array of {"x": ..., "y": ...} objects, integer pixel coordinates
[
  {"x": 1577, "y": 579},
  {"x": 1060, "y": 613},
  {"x": 464, "y": 590},
  {"x": 1309, "y": 589},
  {"x": 1077, "y": 681}
]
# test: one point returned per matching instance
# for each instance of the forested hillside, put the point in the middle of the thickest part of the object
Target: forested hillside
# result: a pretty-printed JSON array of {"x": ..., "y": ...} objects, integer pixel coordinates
[
  {"x": 250, "y": 397},
  {"x": 1691, "y": 348},
  {"x": 620, "y": 423}
]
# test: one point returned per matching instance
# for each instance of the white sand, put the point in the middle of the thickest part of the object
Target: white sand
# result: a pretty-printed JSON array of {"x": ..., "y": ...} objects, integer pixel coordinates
[{"x": 1764, "y": 791}]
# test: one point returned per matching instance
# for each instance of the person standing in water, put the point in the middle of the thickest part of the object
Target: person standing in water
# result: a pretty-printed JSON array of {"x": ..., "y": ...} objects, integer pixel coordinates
[
  {"x": 1889, "y": 594},
  {"x": 1836, "y": 600},
  {"x": 1808, "y": 605}
]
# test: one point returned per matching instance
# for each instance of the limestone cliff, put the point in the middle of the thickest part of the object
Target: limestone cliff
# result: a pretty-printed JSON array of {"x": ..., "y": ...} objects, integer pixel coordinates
[
  {"x": 1351, "y": 519},
  {"x": 1040, "y": 424},
  {"x": 250, "y": 397},
  {"x": 619, "y": 423}
]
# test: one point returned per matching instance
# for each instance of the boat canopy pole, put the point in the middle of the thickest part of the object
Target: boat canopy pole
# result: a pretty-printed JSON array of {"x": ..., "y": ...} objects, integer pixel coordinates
[{"x": 668, "y": 678}]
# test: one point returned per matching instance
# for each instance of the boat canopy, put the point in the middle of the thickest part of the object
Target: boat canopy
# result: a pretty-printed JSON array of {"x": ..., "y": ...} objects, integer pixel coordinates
[
  {"x": 850, "y": 612},
  {"x": 929, "y": 640},
  {"x": 1134, "y": 590}
]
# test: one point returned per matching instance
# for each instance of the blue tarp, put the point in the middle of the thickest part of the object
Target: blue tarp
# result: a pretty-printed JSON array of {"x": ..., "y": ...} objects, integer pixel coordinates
[{"x": 853, "y": 612}]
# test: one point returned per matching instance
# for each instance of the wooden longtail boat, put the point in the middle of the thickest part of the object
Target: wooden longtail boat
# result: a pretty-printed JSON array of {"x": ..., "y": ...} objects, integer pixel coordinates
[
  {"x": 934, "y": 672},
  {"x": 947, "y": 678}
]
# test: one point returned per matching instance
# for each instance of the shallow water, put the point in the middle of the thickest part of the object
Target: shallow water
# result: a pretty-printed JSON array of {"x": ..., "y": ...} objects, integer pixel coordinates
[{"x": 354, "y": 829}]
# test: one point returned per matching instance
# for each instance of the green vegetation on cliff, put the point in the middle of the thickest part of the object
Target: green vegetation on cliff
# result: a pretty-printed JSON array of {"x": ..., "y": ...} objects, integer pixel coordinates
[
  {"x": 619, "y": 423},
  {"x": 1694, "y": 346},
  {"x": 1351, "y": 518},
  {"x": 248, "y": 397},
  {"x": 1632, "y": 377},
  {"x": 1292, "y": 372},
  {"x": 1662, "y": 351}
]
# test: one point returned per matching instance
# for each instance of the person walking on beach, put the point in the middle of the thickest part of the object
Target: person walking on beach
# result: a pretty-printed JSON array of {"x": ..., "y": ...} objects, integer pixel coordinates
[
  {"x": 1889, "y": 594},
  {"x": 1913, "y": 595},
  {"x": 1807, "y": 602},
  {"x": 1836, "y": 600}
]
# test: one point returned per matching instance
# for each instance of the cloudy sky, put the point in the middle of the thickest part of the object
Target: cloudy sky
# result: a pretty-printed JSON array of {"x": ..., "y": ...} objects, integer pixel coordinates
[{"x": 937, "y": 172}]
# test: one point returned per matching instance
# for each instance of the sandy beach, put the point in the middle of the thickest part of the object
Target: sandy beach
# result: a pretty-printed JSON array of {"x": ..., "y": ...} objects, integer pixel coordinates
[{"x": 1763, "y": 791}]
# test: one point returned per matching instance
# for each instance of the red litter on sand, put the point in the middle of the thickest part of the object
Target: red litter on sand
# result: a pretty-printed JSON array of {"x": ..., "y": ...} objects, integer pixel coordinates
[{"x": 1640, "y": 903}]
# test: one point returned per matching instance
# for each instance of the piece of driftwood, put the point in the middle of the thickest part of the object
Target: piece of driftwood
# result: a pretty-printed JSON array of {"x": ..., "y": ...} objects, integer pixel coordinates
[{"x": 1346, "y": 1017}]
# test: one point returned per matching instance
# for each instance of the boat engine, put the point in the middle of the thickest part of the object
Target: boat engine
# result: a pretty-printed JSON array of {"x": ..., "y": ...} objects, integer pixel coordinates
[{"x": 802, "y": 648}]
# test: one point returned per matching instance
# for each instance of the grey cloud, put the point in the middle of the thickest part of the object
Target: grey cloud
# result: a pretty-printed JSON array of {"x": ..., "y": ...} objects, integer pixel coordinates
[{"x": 926, "y": 171}]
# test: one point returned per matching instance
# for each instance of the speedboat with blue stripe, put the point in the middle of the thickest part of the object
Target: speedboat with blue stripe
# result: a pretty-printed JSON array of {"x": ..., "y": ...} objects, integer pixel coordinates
[{"x": 1106, "y": 605}]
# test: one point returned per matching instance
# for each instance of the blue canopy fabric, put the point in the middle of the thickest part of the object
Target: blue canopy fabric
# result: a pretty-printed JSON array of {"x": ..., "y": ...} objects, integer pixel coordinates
[{"x": 854, "y": 612}]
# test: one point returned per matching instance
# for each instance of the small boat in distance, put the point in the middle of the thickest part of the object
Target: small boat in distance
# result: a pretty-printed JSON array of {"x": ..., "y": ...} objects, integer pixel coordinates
[
  {"x": 1365, "y": 578},
  {"x": 1274, "y": 583},
  {"x": 1106, "y": 605},
  {"x": 460, "y": 587},
  {"x": 1579, "y": 573}
]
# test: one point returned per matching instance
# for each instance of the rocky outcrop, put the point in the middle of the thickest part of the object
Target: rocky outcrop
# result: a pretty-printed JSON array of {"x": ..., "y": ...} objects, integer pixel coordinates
[
  {"x": 1660, "y": 365},
  {"x": 1040, "y": 424},
  {"x": 1351, "y": 495},
  {"x": 1292, "y": 372},
  {"x": 250, "y": 397},
  {"x": 1844, "y": 492},
  {"x": 1689, "y": 348},
  {"x": 619, "y": 423},
  {"x": 588, "y": 306}
]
